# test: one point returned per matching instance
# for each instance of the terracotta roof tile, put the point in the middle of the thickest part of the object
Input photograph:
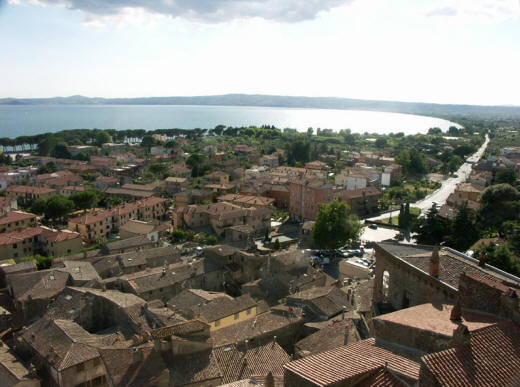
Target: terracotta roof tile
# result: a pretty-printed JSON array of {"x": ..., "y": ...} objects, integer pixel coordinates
[
  {"x": 492, "y": 358},
  {"x": 345, "y": 362}
]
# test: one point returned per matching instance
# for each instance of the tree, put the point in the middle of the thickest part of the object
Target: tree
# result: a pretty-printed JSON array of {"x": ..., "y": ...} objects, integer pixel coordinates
[
  {"x": 195, "y": 161},
  {"x": 434, "y": 131},
  {"x": 58, "y": 206},
  {"x": 38, "y": 206},
  {"x": 61, "y": 151},
  {"x": 50, "y": 167},
  {"x": 148, "y": 141},
  {"x": 499, "y": 203},
  {"x": 432, "y": 229},
  {"x": 158, "y": 168},
  {"x": 86, "y": 199},
  {"x": 334, "y": 227},
  {"x": 501, "y": 257},
  {"x": 464, "y": 232},
  {"x": 506, "y": 176},
  {"x": 381, "y": 142},
  {"x": 102, "y": 137}
]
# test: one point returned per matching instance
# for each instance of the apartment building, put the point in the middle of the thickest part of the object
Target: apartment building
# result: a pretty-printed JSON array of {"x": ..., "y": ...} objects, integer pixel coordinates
[
  {"x": 98, "y": 224},
  {"x": 16, "y": 220},
  {"x": 305, "y": 195},
  {"x": 25, "y": 194}
]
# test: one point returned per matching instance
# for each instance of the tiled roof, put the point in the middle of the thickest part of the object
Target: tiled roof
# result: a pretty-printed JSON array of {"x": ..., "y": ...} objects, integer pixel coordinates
[
  {"x": 131, "y": 367},
  {"x": 242, "y": 361},
  {"x": 337, "y": 334},
  {"x": 451, "y": 266},
  {"x": 152, "y": 279},
  {"x": 381, "y": 377},
  {"x": 140, "y": 240},
  {"x": 436, "y": 318},
  {"x": 195, "y": 368},
  {"x": 265, "y": 324},
  {"x": 490, "y": 359},
  {"x": 15, "y": 216},
  {"x": 223, "y": 306},
  {"x": 352, "y": 360},
  {"x": 38, "y": 284},
  {"x": 14, "y": 367},
  {"x": 63, "y": 343},
  {"x": 327, "y": 301},
  {"x": 52, "y": 235},
  {"x": 359, "y": 193},
  {"x": 9, "y": 238}
]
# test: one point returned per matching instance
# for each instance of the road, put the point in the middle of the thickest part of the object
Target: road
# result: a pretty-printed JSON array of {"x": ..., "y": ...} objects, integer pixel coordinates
[{"x": 448, "y": 186}]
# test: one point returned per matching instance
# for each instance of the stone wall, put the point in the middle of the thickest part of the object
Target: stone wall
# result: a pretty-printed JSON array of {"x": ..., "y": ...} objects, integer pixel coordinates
[{"x": 407, "y": 285}]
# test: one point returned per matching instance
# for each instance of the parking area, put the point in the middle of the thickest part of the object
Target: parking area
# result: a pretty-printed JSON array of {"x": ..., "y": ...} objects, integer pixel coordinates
[{"x": 378, "y": 235}]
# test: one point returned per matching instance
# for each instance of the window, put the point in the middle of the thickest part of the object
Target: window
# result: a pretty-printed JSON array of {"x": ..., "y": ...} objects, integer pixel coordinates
[
  {"x": 99, "y": 381},
  {"x": 15, "y": 246},
  {"x": 249, "y": 311},
  {"x": 217, "y": 323},
  {"x": 80, "y": 367},
  {"x": 97, "y": 361},
  {"x": 237, "y": 315}
]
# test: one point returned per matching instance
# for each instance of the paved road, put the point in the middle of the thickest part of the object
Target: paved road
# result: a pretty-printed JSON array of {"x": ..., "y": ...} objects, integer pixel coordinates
[{"x": 448, "y": 186}]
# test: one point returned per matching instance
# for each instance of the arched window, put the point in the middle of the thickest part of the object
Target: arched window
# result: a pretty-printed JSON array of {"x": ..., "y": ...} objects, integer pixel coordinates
[{"x": 386, "y": 286}]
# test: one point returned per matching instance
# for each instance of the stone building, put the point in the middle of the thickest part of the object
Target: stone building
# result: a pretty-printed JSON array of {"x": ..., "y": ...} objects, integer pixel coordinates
[{"x": 408, "y": 275}]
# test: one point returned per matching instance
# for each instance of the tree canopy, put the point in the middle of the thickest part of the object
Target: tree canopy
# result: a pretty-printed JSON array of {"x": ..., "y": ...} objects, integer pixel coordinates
[{"x": 334, "y": 226}]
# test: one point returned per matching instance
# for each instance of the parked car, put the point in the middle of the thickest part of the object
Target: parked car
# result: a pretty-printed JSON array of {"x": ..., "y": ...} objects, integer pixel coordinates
[{"x": 372, "y": 226}]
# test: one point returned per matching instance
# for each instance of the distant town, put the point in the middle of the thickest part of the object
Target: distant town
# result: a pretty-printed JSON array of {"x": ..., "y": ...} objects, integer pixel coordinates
[{"x": 259, "y": 256}]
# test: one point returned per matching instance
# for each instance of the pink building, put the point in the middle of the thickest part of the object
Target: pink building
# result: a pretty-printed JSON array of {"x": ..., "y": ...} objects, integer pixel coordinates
[{"x": 305, "y": 195}]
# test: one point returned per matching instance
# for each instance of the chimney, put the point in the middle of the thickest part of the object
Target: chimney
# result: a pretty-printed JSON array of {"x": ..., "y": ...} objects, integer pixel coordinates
[
  {"x": 456, "y": 312},
  {"x": 269, "y": 380},
  {"x": 461, "y": 336},
  {"x": 482, "y": 259},
  {"x": 434, "y": 262}
]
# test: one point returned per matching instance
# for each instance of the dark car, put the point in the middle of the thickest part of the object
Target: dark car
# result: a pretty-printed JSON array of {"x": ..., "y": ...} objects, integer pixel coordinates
[{"x": 372, "y": 226}]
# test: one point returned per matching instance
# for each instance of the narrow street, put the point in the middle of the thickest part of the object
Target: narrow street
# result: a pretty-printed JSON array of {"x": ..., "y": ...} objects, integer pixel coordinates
[{"x": 439, "y": 197}]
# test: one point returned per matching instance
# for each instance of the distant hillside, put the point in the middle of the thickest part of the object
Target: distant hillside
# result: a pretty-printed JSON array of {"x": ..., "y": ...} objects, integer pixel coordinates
[{"x": 438, "y": 110}]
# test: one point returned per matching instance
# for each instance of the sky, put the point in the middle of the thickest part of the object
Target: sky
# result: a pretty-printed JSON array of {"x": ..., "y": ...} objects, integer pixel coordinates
[{"x": 441, "y": 51}]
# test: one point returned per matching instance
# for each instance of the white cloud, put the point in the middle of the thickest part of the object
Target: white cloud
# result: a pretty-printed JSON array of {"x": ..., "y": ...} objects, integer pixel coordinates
[
  {"x": 475, "y": 11},
  {"x": 207, "y": 11}
]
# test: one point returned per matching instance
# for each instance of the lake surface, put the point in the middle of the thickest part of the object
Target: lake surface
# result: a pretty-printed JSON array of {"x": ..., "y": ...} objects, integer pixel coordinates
[{"x": 22, "y": 120}]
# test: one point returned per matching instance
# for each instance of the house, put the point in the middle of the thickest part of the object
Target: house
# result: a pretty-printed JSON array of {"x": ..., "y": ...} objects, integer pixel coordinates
[
  {"x": 137, "y": 243},
  {"x": 175, "y": 184},
  {"x": 281, "y": 194},
  {"x": 7, "y": 204},
  {"x": 17, "y": 268},
  {"x": 192, "y": 196},
  {"x": 63, "y": 348},
  {"x": 69, "y": 190},
  {"x": 18, "y": 244},
  {"x": 24, "y": 194},
  {"x": 16, "y": 220},
  {"x": 218, "y": 310},
  {"x": 54, "y": 243},
  {"x": 13, "y": 372},
  {"x": 152, "y": 230},
  {"x": 98, "y": 224},
  {"x": 134, "y": 261},
  {"x": 162, "y": 283},
  {"x": 469, "y": 191},
  {"x": 104, "y": 182},
  {"x": 270, "y": 161},
  {"x": 180, "y": 170},
  {"x": 246, "y": 200},
  {"x": 361, "y": 201},
  {"x": 217, "y": 177},
  {"x": 101, "y": 162},
  {"x": 336, "y": 334},
  {"x": 323, "y": 302},
  {"x": 219, "y": 216},
  {"x": 305, "y": 195},
  {"x": 128, "y": 194},
  {"x": 80, "y": 272}
]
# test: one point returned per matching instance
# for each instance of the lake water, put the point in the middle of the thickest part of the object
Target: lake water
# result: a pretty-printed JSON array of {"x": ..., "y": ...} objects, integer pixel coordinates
[{"x": 20, "y": 120}]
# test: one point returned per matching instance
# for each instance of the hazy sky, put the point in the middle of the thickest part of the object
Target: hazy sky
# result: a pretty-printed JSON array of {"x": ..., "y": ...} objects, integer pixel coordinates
[{"x": 454, "y": 51}]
